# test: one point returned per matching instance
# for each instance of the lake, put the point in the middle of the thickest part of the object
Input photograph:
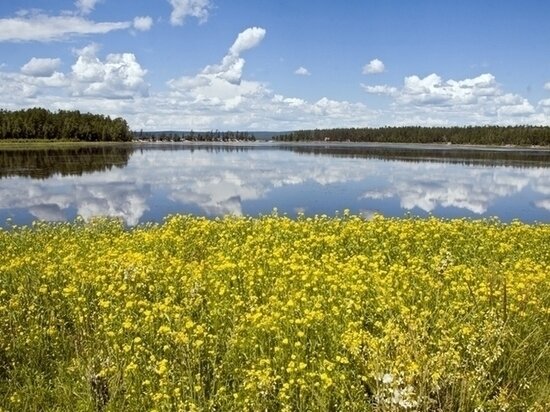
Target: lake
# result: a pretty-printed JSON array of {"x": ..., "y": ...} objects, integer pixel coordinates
[{"x": 148, "y": 182}]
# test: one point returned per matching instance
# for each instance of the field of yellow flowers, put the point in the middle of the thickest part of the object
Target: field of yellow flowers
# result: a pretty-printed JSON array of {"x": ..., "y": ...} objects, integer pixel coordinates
[{"x": 275, "y": 314}]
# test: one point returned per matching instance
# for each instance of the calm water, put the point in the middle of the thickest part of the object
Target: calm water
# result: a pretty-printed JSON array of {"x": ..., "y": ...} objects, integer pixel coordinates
[{"x": 148, "y": 183}]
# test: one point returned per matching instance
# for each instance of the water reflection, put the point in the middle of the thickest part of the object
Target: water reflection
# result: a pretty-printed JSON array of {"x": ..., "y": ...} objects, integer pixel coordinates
[
  {"x": 430, "y": 153},
  {"x": 218, "y": 180},
  {"x": 521, "y": 157},
  {"x": 43, "y": 163},
  {"x": 474, "y": 189}
]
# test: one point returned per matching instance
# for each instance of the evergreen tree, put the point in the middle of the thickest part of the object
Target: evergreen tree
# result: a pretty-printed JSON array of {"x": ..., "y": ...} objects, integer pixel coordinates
[{"x": 39, "y": 123}]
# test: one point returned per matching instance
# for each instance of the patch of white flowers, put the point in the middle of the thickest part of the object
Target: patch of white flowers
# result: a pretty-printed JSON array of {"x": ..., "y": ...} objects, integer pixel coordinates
[{"x": 393, "y": 392}]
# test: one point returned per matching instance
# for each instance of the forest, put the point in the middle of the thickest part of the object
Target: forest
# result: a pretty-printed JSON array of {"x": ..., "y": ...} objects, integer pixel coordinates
[
  {"x": 42, "y": 124},
  {"x": 477, "y": 135}
]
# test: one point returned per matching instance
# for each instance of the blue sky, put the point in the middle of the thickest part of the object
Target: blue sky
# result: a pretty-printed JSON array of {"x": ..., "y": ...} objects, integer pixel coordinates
[{"x": 279, "y": 65}]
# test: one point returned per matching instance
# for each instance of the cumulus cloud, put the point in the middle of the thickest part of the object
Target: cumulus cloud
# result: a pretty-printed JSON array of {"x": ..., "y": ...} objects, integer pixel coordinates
[
  {"x": 302, "y": 71},
  {"x": 143, "y": 23},
  {"x": 18, "y": 88},
  {"x": 478, "y": 100},
  {"x": 231, "y": 67},
  {"x": 39, "y": 67},
  {"x": 92, "y": 84},
  {"x": 44, "y": 28},
  {"x": 85, "y": 6},
  {"x": 515, "y": 106},
  {"x": 220, "y": 94},
  {"x": 247, "y": 39},
  {"x": 193, "y": 8},
  {"x": 433, "y": 90},
  {"x": 119, "y": 76},
  {"x": 223, "y": 80},
  {"x": 547, "y": 86},
  {"x": 375, "y": 66}
]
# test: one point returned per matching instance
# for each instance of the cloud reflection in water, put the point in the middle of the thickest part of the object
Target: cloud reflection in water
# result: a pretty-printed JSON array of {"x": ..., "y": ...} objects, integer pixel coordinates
[{"x": 240, "y": 182}]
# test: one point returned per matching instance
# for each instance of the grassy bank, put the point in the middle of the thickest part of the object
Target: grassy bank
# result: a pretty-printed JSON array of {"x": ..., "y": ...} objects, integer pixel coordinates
[
  {"x": 54, "y": 144},
  {"x": 276, "y": 314}
]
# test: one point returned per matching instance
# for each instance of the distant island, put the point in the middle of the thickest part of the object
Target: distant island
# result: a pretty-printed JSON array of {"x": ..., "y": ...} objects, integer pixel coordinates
[
  {"x": 64, "y": 125},
  {"x": 469, "y": 135}
]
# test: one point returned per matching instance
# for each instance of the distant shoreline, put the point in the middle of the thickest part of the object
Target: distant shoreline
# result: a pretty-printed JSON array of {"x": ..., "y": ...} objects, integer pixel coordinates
[
  {"x": 411, "y": 146},
  {"x": 59, "y": 144},
  {"x": 434, "y": 146}
]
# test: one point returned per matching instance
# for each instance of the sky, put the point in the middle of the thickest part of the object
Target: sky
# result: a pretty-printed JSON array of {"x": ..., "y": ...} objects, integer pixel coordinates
[{"x": 280, "y": 65}]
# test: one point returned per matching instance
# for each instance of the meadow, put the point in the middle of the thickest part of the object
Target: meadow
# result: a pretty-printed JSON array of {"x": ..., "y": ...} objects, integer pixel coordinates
[{"x": 275, "y": 314}]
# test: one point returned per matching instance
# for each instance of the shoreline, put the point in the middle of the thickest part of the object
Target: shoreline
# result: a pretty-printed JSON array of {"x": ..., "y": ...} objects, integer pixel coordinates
[
  {"x": 335, "y": 144},
  {"x": 24, "y": 145}
]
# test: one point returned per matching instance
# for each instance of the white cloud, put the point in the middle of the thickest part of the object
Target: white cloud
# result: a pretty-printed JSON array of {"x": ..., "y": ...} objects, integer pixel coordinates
[
  {"x": 302, "y": 71},
  {"x": 119, "y": 76},
  {"x": 40, "y": 27},
  {"x": 38, "y": 67},
  {"x": 433, "y": 90},
  {"x": 478, "y": 100},
  {"x": 221, "y": 96},
  {"x": 521, "y": 108},
  {"x": 218, "y": 96},
  {"x": 547, "y": 86},
  {"x": 380, "y": 89},
  {"x": 229, "y": 70},
  {"x": 17, "y": 88},
  {"x": 88, "y": 68},
  {"x": 194, "y": 8},
  {"x": 143, "y": 23},
  {"x": 11, "y": 85},
  {"x": 223, "y": 80},
  {"x": 85, "y": 6},
  {"x": 375, "y": 66},
  {"x": 247, "y": 40},
  {"x": 543, "y": 204}
]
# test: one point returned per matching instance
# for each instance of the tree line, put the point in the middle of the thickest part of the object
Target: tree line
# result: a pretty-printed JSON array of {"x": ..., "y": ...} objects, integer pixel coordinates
[
  {"x": 192, "y": 136},
  {"x": 479, "y": 135},
  {"x": 42, "y": 124}
]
